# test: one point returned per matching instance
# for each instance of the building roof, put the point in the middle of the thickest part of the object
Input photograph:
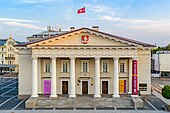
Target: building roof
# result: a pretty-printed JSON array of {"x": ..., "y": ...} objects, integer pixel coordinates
[
  {"x": 45, "y": 34},
  {"x": 2, "y": 42},
  {"x": 113, "y": 36}
]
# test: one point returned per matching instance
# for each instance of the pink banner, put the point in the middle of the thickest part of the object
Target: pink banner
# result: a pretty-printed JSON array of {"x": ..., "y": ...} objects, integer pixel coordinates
[
  {"x": 135, "y": 85},
  {"x": 47, "y": 87},
  {"x": 134, "y": 77},
  {"x": 134, "y": 67}
]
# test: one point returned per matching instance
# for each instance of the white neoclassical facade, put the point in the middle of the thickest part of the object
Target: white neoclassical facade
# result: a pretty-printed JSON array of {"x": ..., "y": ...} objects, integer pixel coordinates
[{"x": 84, "y": 61}]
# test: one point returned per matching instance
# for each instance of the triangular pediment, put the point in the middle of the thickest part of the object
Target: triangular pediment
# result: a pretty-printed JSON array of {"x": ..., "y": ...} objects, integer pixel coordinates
[{"x": 85, "y": 37}]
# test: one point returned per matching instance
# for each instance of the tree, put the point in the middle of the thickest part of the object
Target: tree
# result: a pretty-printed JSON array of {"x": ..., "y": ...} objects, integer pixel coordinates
[{"x": 166, "y": 48}]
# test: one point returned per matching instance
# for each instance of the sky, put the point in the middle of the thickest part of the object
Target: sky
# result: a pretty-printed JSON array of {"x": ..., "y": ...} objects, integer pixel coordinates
[{"x": 143, "y": 20}]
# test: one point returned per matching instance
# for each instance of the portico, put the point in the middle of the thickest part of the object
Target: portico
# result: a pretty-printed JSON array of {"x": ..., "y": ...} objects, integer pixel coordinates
[{"x": 96, "y": 87}]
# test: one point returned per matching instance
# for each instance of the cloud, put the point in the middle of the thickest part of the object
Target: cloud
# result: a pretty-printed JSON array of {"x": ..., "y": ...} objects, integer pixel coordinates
[
  {"x": 100, "y": 9},
  {"x": 17, "y": 20},
  {"x": 23, "y": 25},
  {"x": 35, "y": 1},
  {"x": 139, "y": 24}
]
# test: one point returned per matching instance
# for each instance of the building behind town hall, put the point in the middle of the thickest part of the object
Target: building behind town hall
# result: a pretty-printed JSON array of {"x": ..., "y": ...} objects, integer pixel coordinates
[{"x": 8, "y": 55}]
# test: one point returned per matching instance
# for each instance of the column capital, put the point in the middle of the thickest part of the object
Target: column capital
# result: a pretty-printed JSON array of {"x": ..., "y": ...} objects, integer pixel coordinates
[
  {"x": 97, "y": 58},
  {"x": 116, "y": 58},
  {"x": 135, "y": 58},
  {"x": 34, "y": 57},
  {"x": 72, "y": 58},
  {"x": 53, "y": 58}
]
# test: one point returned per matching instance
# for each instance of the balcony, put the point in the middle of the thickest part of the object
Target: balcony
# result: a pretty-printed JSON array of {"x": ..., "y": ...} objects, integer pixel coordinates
[{"x": 10, "y": 58}]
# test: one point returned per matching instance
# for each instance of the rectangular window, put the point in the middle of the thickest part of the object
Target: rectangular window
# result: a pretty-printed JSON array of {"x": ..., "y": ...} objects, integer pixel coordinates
[
  {"x": 105, "y": 67},
  {"x": 47, "y": 67},
  {"x": 85, "y": 67},
  {"x": 2, "y": 49},
  {"x": 2, "y": 55},
  {"x": 2, "y": 62},
  {"x": 65, "y": 66},
  {"x": 143, "y": 87},
  {"x": 122, "y": 67}
]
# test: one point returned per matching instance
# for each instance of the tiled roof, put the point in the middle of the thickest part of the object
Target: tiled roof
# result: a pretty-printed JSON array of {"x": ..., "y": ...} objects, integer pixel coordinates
[{"x": 113, "y": 36}]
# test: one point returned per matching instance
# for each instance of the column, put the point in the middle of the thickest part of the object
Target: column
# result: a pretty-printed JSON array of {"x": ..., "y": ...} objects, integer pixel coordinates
[
  {"x": 53, "y": 77},
  {"x": 97, "y": 78},
  {"x": 72, "y": 77},
  {"x": 116, "y": 78},
  {"x": 34, "y": 77},
  {"x": 130, "y": 75},
  {"x": 134, "y": 76}
]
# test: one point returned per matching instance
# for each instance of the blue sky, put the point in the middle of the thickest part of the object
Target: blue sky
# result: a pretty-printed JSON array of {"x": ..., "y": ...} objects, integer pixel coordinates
[{"x": 143, "y": 20}]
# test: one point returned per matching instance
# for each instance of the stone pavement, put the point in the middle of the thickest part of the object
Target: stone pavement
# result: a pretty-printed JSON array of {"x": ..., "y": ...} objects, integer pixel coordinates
[
  {"x": 82, "y": 111},
  {"x": 84, "y": 102}
]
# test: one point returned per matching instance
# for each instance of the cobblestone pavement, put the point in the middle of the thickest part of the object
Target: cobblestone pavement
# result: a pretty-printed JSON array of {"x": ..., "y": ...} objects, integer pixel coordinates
[{"x": 85, "y": 102}]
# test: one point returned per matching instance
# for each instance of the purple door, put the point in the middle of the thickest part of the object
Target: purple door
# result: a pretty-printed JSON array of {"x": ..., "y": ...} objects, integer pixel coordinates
[{"x": 47, "y": 87}]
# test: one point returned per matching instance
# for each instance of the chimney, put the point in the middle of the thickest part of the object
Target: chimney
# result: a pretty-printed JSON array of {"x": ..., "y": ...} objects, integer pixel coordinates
[
  {"x": 96, "y": 28},
  {"x": 72, "y": 28},
  {"x": 48, "y": 28}
]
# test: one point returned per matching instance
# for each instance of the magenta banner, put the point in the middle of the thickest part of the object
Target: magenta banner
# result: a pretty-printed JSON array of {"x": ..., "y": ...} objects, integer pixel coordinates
[
  {"x": 135, "y": 85},
  {"x": 47, "y": 87},
  {"x": 134, "y": 67},
  {"x": 124, "y": 86}
]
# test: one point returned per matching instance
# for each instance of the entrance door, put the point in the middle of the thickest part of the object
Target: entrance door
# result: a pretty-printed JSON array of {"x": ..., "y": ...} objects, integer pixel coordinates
[
  {"x": 104, "y": 87},
  {"x": 84, "y": 87},
  {"x": 64, "y": 87}
]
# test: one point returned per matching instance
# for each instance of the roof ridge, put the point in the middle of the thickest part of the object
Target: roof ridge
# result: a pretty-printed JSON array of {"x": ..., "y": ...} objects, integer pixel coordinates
[{"x": 113, "y": 36}]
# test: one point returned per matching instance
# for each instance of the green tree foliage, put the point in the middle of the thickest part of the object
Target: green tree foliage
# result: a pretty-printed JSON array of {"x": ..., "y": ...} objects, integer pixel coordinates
[
  {"x": 166, "y": 92},
  {"x": 166, "y": 48}
]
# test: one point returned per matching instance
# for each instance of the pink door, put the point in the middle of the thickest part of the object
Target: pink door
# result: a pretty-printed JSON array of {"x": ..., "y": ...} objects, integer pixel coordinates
[{"x": 47, "y": 87}]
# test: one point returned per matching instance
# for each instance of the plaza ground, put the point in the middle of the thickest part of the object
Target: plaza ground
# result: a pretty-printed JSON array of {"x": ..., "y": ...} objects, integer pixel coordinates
[{"x": 9, "y": 102}]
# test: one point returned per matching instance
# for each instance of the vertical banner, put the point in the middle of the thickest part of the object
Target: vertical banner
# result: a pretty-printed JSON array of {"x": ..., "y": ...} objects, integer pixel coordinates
[
  {"x": 47, "y": 87},
  {"x": 124, "y": 86},
  {"x": 134, "y": 77}
]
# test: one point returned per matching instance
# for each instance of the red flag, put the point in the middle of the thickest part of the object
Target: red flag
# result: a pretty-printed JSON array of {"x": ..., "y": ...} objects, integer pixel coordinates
[{"x": 82, "y": 10}]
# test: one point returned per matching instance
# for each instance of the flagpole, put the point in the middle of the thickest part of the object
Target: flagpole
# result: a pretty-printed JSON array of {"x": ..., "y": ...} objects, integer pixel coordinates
[{"x": 85, "y": 18}]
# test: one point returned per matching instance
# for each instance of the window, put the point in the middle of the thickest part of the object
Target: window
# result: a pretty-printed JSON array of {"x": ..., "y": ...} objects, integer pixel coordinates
[
  {"x": 105, "y": 67},
  {"x": 2, "y": 49},
  {"x": 10, "y": 62},
  {"x": 2, "y": 62},
  {"x": 85, "y": 67},
  {"x": 143, "y": 87},
  {"x": 47, "y": 67},
  {"x": 2, "y": 55},
  {"x": 65, "y": 66},
  {"x": 122, "y": 67}
]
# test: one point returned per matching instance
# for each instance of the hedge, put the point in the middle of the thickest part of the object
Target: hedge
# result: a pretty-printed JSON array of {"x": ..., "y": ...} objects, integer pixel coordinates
[{"x": 166, "y": 92}]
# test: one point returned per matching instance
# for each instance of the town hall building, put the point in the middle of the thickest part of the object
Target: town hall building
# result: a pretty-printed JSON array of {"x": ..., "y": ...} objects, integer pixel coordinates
[{"x": 84, "y": 61}]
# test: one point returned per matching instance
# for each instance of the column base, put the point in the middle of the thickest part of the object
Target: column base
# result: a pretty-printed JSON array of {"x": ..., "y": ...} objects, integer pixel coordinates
[
  {"x": 97, "y": 96},
  {"x": 34, "y": 96},
  {"x": 135, "y": 96},
  {"x": 115, "y": 96},
  {"x": 53, "y": 96},
  {"x": 72, "y": 96}
]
